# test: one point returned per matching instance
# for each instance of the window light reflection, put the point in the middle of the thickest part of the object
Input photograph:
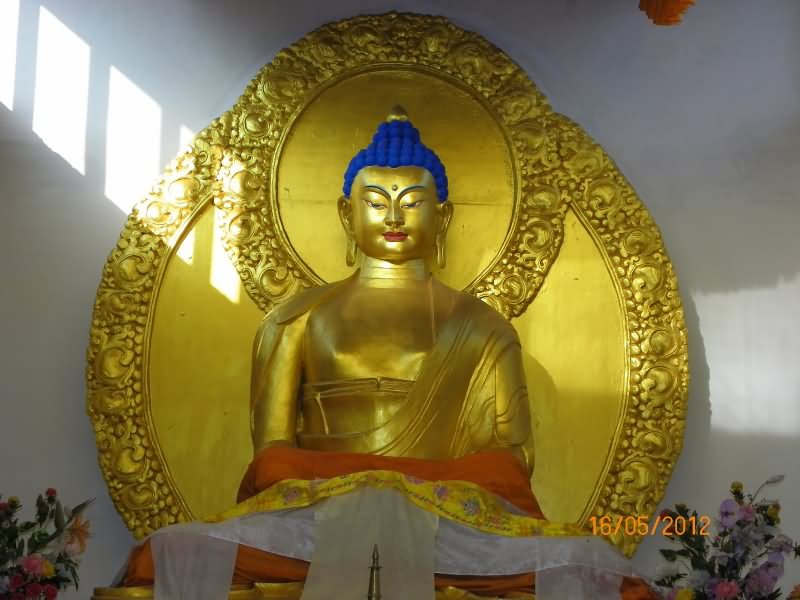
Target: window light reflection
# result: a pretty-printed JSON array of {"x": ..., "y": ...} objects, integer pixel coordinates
[{"x": 61, "y": 95}]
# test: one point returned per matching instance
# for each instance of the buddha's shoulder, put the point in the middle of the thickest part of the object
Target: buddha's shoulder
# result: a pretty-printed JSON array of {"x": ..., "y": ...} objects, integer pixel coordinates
[
  {"x": 303, "y": 302},
  {"x": 465, "y": 304}
]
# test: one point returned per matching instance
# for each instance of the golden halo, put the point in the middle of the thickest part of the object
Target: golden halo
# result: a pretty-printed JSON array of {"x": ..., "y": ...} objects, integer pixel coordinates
[{"x": 542, "y": 212}]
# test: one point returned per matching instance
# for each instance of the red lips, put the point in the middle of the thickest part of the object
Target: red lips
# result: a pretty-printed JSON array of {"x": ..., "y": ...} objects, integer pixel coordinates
[{"x": 394, "y": 236}]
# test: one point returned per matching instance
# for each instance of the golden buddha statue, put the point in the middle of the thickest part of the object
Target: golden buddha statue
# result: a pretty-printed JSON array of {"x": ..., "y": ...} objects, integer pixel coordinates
[
  {"x": 391, "y": 375},
  {"x": 391, "y": 361}
]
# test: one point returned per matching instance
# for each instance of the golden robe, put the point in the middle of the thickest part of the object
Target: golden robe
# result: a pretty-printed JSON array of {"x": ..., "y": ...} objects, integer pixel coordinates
[{"x": 469, "y": 394}]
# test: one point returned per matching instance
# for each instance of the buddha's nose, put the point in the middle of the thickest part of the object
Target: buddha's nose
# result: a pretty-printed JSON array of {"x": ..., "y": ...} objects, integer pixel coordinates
[{"x": 394, "y": 217}]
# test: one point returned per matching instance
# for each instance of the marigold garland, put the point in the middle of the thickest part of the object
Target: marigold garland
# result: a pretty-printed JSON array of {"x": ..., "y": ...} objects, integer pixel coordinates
[{"x": 665, "y": 12}]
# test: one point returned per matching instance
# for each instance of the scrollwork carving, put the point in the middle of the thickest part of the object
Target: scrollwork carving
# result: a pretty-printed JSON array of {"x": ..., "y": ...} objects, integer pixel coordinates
[
  {"x": 116, "y": 388},
  {"x": 657, "y": 351}
]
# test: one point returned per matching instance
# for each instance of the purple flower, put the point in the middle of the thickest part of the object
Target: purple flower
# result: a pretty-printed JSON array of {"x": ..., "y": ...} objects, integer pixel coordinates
[
  {"x": 441, "y": 492},
  {"x": 759, "y": 583},
  {"x": 471, "y": 507},
  {"x": 774, "y": 565},
  {"x": 728, "y": 511}
]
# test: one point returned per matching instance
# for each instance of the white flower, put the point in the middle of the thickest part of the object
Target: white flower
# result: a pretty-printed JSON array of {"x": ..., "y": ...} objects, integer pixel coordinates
[
  {"x": 697, "y": 579},
  {"x": 780, "y": 543},
  {"x": 668, "y": 569},
  {"x": 764, "y": 530},
  {"x": 56, "y": 545},
  {"x": 720, "y": 557}
]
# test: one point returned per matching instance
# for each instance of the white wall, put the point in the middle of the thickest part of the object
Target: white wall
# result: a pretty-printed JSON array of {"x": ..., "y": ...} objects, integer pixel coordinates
[{"x": 703, "y": 118}]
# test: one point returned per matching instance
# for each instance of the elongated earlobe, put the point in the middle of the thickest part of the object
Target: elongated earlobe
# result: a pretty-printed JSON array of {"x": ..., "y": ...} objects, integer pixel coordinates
[
  {"x": 352, "y": 252},
  {"x": 441, "y": 258}
]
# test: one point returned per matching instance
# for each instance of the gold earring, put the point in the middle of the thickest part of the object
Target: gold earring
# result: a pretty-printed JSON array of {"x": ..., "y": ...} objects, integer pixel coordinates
[
  {"x": 441, "y": 259},
  {"x": 352, "y": 252}
]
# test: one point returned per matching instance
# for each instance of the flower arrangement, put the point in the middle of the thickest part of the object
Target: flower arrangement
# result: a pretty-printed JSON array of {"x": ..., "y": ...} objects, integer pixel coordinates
[
  {"x": 39, "y": 558},
  {"x": 741, "y": 559}
]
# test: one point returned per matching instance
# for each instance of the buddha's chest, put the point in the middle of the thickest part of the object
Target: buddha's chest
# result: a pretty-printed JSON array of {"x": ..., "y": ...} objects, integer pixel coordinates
[{"x": 369, "y": 333}]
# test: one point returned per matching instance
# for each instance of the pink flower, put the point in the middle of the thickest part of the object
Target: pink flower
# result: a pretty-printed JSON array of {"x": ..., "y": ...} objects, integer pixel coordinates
[
  {"x": 16, "y": 582},
  {"x": 72, "y": 549},
  {"x": 33, "y": 564},
  {"x": 725, "y": 590},
  {"x": 746, "y": 513},
  {"x": 51, "y": 492},
  {"x": 291, "y": 495}
]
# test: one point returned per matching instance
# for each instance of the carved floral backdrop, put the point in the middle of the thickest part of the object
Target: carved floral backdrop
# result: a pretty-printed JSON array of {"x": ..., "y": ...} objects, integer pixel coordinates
[{"x": 702, "y": 118}]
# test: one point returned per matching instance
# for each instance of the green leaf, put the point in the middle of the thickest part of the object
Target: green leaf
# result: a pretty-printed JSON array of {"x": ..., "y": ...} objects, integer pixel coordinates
[
  {"x": 81, "y": 507},
  {"x": 26, "y": 526},
  {"x": 699, "y": 562},
  {"x": 59, "y": 516},
  {"x": 670, "y": 555}
]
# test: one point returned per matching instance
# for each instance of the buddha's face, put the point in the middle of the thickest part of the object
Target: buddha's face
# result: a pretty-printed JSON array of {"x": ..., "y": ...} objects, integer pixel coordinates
[{"x": 394, "y": 214}]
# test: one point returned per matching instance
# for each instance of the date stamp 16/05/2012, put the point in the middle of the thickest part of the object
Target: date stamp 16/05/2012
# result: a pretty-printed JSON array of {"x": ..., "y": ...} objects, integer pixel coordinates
[{"x": 666, "y": 525}]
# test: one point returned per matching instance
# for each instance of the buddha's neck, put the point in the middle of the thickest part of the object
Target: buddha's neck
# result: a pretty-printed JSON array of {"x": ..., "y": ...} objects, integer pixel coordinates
[{"x": 381, "y": 273}]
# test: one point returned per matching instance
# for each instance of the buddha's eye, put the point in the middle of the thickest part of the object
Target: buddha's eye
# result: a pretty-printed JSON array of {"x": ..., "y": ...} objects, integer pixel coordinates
[
  {"x": 375, "y": 205},
  {"x": 412, "y": 204}
]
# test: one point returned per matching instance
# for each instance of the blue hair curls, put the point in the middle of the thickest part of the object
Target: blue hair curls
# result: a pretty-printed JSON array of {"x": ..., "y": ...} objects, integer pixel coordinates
[{"x": 397, "y": 144}]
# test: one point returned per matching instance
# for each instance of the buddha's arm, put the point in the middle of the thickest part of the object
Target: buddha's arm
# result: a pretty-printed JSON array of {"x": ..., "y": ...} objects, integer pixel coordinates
[
  {"x": 512, "y": 427},
  {"x": 276, "y": 373}
]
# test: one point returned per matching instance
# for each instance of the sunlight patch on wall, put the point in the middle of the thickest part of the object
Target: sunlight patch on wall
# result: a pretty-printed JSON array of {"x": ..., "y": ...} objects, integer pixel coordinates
[
  {"x": 133, "y": 141},
  {"x": 9, "y": 31},
  {"x": 61, "y": 95},
  {"x": 224, "y": 276},
  {"x": 754, "y": 379},
  {"x": 186, "y": 248},
  {"x": 185, "y": 136}
]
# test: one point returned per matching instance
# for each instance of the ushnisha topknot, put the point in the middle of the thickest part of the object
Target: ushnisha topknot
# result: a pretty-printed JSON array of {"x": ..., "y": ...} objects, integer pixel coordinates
[{"x": 397, "y": 144}]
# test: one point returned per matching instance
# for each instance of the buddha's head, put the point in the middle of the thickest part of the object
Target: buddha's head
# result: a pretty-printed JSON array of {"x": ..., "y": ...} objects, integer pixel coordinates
[{"x": 394, "y": 206}]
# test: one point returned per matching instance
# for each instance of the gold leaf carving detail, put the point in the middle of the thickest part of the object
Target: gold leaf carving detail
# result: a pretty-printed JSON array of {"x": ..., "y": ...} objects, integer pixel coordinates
[
  {"x": 651, "y": 440},
  {"x": 117, "y": 398}
]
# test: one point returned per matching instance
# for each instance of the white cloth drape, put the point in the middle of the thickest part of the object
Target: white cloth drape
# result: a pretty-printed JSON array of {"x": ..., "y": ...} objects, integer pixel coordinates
[{"x": 337, "y": 535}]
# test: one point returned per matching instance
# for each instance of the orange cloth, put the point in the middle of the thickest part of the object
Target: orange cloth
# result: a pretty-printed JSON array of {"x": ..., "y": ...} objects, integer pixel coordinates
[
  {"x": 495, "y": 471},
  {"x": 498, "y": 472}
]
